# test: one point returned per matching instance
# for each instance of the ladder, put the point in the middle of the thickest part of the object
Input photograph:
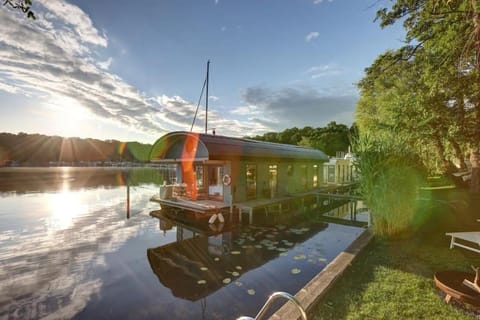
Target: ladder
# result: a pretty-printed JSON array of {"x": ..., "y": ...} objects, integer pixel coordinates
[{"x": 271, "y": 298}]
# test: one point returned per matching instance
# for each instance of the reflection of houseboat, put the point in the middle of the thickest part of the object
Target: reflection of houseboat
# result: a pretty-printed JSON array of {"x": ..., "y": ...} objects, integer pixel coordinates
[
  {"x": 198, "y": 263},
  {"x": 217, "y": 172}
]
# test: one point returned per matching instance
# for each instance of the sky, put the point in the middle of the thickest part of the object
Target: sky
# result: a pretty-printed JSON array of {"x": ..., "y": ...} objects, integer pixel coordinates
[{"x": 134, "y": 70}]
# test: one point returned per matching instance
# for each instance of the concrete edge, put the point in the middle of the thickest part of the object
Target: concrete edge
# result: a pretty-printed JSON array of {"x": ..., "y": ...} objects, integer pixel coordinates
[{"x": 316, "y": 289}]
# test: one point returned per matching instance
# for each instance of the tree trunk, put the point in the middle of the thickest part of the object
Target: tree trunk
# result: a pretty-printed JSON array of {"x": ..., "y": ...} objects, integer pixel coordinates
[
  {"x": 445, "y": 164},
  {"x": 458, "y": 154},
  {"x": 475, "y": 161}
]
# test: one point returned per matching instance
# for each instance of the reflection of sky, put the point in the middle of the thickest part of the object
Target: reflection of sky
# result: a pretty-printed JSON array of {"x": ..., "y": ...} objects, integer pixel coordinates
[{"x": 51, "y": 243}]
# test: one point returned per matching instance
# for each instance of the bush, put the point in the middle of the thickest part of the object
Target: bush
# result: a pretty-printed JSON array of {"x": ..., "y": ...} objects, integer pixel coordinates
[{"x": 390, "y": 176}]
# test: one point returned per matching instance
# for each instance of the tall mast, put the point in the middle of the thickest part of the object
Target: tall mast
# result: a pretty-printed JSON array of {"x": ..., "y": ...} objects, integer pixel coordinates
[{"x": 206, "y": 98}]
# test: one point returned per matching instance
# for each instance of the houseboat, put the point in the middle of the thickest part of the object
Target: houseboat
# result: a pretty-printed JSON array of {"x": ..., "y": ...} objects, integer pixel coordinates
[{"x": 216, "y": 173}]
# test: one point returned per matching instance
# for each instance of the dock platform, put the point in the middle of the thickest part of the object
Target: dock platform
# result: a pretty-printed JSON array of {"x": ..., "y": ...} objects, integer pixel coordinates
[
  {"x": 198, "y": 206},
  {"x": 279, "y": 204}
]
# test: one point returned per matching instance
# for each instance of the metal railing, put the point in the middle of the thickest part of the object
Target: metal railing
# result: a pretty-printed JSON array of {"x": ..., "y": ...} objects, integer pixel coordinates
[{"x": 271, "y": 298}]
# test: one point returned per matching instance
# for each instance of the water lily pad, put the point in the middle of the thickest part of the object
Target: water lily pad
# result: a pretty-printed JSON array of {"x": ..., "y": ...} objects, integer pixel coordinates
[
  {"x": 251, "y": 292},
  {"x": 322, "y": 259},
  {"x": 216, "y": 259},
  {"x": 238, "y": 267},
  {"x": 300, "y": 256},
  {"x": 235, "y": 274},
  {"x": 295, "y": 271},
  {"x": 258, "y": 246},
  {"x": 281, "y": 249},
  {"x": 227, "y": 280},
  {"x": 235, "y": 252},
  {"x": 238, "y": 283},
  {"x": 283, "y": 254},
  {"x": 204, "y": 268},
  {"x": 201, "y": 281}
]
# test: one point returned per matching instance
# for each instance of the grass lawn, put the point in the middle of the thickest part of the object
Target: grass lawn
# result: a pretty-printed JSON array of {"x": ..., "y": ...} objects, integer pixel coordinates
[{"x": 393, "y": 279}]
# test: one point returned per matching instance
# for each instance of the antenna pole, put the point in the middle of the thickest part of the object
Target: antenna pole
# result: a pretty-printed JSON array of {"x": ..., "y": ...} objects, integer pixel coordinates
[{"x": 206, "y": 98}]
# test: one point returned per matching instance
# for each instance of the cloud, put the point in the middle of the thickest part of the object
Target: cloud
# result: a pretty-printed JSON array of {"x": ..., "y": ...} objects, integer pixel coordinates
[
  {"x": 38, "y": 57},
  {"x": 56, "y": 58},
  {"x": 8, "y": 88},
  {"x": 320, "y": 1},
  {"x": 289, "y": 107},
  {"x": 311, "y": 36},
  {"x": 72, "y": 16},
  {"x": 323, "y": 71},
  {"x": 105, "y": 64}
]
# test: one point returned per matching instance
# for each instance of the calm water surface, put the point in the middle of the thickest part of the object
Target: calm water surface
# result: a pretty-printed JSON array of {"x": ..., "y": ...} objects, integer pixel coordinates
[{"x": 72, "y": 247}]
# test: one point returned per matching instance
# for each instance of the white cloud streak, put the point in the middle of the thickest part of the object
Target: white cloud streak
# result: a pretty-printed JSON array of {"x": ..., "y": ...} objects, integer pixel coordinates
[
  {"x": 312, "y": 36},
  {"x": 323, "y": 71}
]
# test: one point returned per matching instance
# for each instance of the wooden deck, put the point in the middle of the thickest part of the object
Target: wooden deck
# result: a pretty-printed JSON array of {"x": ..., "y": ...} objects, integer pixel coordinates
[
  {"x": 199, "y": 206},
  {"x": 268, "y": 205}
]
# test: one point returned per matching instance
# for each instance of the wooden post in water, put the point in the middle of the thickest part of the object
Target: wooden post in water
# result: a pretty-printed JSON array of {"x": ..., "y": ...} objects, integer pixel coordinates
[{"x": 128, "y": 200}]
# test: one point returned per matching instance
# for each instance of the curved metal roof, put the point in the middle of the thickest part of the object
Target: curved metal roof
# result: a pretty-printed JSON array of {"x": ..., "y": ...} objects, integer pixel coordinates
[{"x": 179, "y": 145}]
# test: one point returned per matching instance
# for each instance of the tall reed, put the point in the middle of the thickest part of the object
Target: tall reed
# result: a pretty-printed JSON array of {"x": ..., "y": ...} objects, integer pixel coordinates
[{"x": 389, "y": 177}]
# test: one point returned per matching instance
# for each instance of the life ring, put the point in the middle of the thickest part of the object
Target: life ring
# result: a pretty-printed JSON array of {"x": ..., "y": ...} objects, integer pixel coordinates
[{"x": 226, "y": 180}]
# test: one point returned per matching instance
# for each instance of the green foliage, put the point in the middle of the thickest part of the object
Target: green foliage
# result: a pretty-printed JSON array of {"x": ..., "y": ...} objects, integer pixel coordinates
[
  {"x": 390, "y": 175},
  {"x": 330, "y": 139},
  {"x": 428, "y": 90},
  {"x": 23, "y": 6}
]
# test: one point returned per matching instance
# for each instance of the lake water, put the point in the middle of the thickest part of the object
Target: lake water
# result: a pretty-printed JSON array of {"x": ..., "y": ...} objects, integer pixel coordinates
[{"x": 71, "y": 246}]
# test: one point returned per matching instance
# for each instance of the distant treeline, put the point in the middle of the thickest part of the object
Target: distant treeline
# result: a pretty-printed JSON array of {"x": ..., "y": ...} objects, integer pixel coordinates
[
  {"x": 37, "y": 149},
  {"x": 330, "y": 139}
]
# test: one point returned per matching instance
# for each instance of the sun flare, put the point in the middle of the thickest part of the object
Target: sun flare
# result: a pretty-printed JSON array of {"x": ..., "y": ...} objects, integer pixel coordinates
[{"x": 67, "y": 116}]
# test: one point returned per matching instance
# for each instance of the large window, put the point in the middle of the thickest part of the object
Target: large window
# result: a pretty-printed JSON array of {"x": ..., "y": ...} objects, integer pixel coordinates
[
  {"x": 315, "y": 176},
  {"x": 251, "y": 181},
  {"x": 331, "y": 173}
]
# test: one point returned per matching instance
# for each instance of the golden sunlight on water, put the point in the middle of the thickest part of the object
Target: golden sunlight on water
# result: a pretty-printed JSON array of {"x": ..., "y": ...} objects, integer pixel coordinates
[{"x": 64, "y": 207}]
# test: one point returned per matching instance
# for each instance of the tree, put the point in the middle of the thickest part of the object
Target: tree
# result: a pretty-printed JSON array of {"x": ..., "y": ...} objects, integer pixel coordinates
[
  {"x": 443, "y": 53},
  {"x": 23, "y": 5},
  {"x": 330, "y": 139},
  {"x": 421, "y": 116}
]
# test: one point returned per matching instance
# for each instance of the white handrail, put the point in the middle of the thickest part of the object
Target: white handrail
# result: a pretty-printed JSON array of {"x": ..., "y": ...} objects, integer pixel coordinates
[{"x": 272, "y": 297}]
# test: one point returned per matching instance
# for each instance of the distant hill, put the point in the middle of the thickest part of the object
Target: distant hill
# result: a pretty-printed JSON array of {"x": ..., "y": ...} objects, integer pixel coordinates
[{"x": 37, "y": 149}]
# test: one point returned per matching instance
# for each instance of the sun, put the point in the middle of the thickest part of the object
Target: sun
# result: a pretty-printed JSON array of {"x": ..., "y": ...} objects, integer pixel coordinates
[{"x": 68, "y": 117}]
